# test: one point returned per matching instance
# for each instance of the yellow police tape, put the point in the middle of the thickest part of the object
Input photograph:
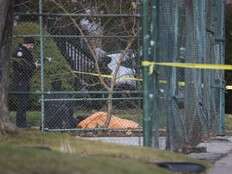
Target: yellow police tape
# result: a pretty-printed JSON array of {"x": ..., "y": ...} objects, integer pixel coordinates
[
  {"x": 151, "y": 66},
  {"x": 107, "y": 76}
]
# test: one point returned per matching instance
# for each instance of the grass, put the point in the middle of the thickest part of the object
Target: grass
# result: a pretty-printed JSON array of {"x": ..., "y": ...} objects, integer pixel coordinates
[
  {"x": 33, "y": 118},
  {"x": 74, "y": 155},
  {"x": 228, "y": 122},
  {"x": 28, "y": 160}
]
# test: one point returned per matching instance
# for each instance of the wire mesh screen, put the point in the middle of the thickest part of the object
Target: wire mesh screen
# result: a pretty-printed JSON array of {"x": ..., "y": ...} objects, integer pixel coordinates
[
  {"x": 190, "y": 100},
  {"x": 86, "y": 72}
]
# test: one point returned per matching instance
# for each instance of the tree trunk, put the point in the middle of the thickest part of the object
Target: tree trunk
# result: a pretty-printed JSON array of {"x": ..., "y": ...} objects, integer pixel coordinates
[
  {"x": 109, "y": 108},
  {"x": 6, "y": 25}
]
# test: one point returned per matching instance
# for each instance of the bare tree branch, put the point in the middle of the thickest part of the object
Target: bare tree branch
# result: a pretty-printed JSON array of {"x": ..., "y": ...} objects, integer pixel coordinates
[
  {"x": 108, "y": 86},
  {"x": 87, "y": 43}
]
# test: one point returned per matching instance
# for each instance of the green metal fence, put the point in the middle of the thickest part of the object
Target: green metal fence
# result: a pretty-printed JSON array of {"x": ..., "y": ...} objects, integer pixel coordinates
[
  {"x": 191, "y": 100},
  {"x": 93, "y": 55}
]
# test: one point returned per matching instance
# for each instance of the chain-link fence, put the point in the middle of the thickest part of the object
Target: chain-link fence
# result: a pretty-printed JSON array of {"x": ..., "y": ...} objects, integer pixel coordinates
[{"x": 83, "y": 73}]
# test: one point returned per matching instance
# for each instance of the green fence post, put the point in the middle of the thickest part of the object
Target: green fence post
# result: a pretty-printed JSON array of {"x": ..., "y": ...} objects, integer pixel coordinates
[
  {"x": 220, "y": 39},
  {"x": 153, "y": 44},
  {"x": 147, "y": 83},
  {"x": 41, "y": 62}
]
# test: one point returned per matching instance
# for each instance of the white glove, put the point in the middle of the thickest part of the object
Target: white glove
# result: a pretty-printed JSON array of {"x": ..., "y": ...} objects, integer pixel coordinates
[
  {"x": 49, "y": 59},
  {"x": 37, "y": 64}
]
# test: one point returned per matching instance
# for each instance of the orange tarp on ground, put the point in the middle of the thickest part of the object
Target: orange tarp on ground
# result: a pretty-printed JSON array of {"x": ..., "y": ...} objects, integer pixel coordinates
[{"x": 98, "y": 119}]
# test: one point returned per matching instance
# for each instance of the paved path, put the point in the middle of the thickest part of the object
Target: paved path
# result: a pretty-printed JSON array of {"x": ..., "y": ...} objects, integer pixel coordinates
[
  {"x": 219, "y": 150},
  {"x": 216, "y": 149},
  {"x": 223, "y": 166}
]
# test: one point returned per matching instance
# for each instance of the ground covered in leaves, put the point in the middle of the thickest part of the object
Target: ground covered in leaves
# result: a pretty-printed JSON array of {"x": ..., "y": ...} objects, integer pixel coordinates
[{"x": 46, "y": 153}]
